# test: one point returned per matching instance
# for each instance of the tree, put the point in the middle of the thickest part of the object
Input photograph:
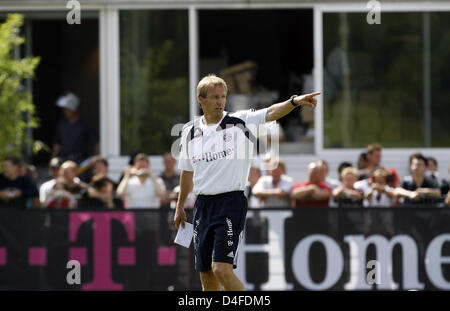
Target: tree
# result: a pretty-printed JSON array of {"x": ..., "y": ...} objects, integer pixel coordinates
[{"x": 17, "y": 111}]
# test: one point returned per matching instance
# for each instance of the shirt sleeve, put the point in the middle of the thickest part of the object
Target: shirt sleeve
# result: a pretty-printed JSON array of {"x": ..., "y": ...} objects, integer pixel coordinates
[
  {"x": 252, "y": 116},
  {"x": 184, "y": 163}
]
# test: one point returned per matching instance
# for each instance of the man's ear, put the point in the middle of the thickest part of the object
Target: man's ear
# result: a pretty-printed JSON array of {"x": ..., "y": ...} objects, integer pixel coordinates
[{"x": 200, "y": 99}]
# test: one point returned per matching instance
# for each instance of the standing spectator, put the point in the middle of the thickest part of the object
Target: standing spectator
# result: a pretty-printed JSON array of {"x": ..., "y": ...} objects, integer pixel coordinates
[
  {"x": 139, "y": 188},
  {"x": 104, "y": 195},
  {"x": 418, "y": 188},
  {"x": 432, "y": 171},
  {"x": 313, "y": 192},
  {"x": 273, "y": 189},
  {"x": 16, "y": 190},
  {"x": 346, "y": 194},
  {"x": 75, "y": 138},
  {"x": 379, "y": 194},
  {"x": 362, "y": 162},
  {"x": 170, "y": 178},
  {"x": 373, "y": 155},
  {"x": 71, "y": 181},
  {"x": 331, "y": 182}
]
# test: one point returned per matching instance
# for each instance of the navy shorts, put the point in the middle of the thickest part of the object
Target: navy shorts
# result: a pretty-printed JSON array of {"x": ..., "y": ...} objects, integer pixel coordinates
[{"x": 218, "y": 224}]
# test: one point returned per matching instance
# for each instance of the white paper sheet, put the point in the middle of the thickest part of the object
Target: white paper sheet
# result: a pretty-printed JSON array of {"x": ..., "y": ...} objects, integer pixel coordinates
[{"x": 184, "y": 235}]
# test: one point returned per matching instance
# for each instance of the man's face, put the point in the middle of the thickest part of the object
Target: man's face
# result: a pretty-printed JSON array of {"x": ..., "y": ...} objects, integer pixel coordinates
[
  {"x": 379, "y": 180},
  {"x": 107, "y": 189},
  {"x": 10, "y": 169},
  {"x": 214, "y": 103},
  {"x": 100, "y": 168},
  {"x": 54, "y": 171},
  {"x": 315, "y": 174},
  {"x": 276, "y": 173},
  {"x": 432, "y": 166},
  {"x": 169, "y": 161},
  {"x": 374, "y": 157},
  {"x": 69, "y": 113},
  {"x": 418, "y": 167},
  {"x": 141, "y": 164},
  {"x": 349, "y": 179},
  {"x": 69, "y": 173}
]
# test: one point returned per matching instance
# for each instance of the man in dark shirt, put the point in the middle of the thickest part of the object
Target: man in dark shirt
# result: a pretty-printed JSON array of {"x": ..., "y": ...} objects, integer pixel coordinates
[
  {"x": 418, "y": 188},
  {"x": 75, "y": 138},
  {"x": 16, "y": 190}
]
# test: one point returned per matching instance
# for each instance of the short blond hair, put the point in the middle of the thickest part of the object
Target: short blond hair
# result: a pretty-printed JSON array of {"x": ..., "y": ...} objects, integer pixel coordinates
[
  {"x": 69, "y": 164},
  {"x": 207, "y": 81},
  {"x": 381, "y": 173},
  {"x": 349, "y": 170}
]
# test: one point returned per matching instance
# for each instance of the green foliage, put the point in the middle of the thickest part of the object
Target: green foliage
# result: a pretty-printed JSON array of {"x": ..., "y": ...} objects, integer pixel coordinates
[{"x": 15, "y": 101}]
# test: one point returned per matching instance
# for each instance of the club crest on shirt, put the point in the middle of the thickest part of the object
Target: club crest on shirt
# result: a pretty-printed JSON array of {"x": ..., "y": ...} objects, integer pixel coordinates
[
  {"x": 227, "y": 137},
  {"x": 198, "y": 132}
]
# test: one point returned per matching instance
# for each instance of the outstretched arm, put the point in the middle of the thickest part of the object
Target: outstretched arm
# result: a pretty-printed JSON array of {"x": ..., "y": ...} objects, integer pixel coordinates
[{"x": 277, "y": 111}]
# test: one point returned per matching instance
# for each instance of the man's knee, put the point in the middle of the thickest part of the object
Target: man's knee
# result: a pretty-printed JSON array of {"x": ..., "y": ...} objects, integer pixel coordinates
[{"x": 222, "y": 270}]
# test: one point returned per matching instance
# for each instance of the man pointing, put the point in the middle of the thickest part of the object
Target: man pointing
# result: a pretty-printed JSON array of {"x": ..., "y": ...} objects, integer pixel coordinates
[{"x": 214, "y": 163}]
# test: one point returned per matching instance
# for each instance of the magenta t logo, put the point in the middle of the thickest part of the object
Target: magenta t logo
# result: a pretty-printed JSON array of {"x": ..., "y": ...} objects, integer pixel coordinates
[{"x": 101, "y": 228}]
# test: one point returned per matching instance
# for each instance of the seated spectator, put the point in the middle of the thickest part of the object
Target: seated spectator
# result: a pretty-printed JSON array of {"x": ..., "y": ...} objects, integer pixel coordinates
[
  {"x": 418, "y": 188},
  {"x": 100, "y": 165},
  {"x": 59, "y": 196},
  {"x": 54, "y": 170},
  {"x": 379, "y": 194},
  {"x": 30, "y": 171},
  {"x": 170, "y": 178},
  {"x": 72, "y": 183},
  {"x": 16, "y": 190},
  {"x": 139, "y": 188},
  {"x": 331, "y": 182},
  {"x": 313, "y": 192},
  {"x": 447, "y": 199},
  {"x": 273, "y": 189},
  {"x": 103, "y": 197},
  {"x": 347, "y": 195},
  {"x": 253, "y": 177}
]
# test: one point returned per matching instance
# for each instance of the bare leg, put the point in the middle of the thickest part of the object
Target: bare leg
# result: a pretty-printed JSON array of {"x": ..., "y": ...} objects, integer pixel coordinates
[
  {"x": 209, "y": 281},
  {"x": 225, "y": 275}
]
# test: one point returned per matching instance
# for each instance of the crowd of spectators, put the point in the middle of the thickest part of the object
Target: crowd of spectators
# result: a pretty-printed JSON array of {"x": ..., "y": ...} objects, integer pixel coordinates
[{"x": 269, "y": 185}]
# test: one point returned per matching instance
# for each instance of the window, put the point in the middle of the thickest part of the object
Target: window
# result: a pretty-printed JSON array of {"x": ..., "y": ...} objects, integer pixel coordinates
[
  {"x": 386, "y": 83},
  {"x": 154, "y": 78},
  {"x": 265, "y": 56}
]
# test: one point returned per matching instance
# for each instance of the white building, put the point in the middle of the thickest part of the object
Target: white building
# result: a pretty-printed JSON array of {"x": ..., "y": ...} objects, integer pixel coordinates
[{"x": 135, "y": 64}]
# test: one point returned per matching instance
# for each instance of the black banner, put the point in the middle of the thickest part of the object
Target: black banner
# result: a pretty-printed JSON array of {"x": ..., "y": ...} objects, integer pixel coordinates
[{"x": 283, "y": 249}]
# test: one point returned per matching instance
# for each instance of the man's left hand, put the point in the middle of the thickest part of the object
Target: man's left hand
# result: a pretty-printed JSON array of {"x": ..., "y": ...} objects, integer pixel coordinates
[{"x": 307, "y": 100}]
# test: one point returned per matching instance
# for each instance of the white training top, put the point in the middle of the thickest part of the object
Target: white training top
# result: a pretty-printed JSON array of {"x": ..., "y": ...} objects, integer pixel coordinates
[
  {"x": 220, "y": 154},
  {"x": 143, "y": 195}
]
